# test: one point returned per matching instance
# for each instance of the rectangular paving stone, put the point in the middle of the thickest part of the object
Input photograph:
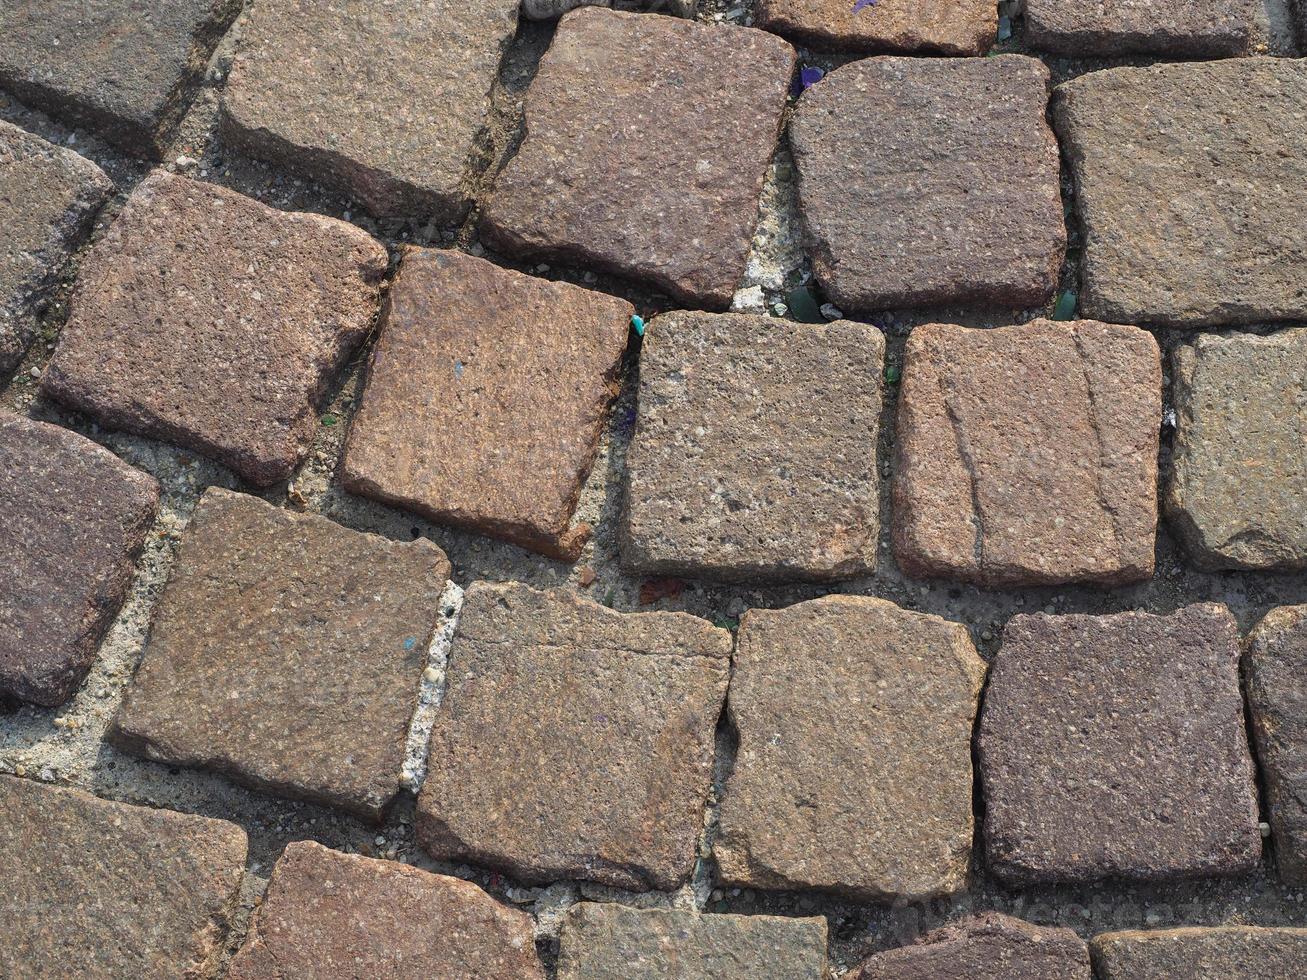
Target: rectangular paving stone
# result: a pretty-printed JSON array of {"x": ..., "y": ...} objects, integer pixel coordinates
[
  {"x": 754, "y": 454},
  {"x": 1027, "y": 455},
  {"x": 1114, "y": 746},
  {"x": 961, "y": 27},
  {"x": 853, "y": 773},
  {"x": 647, "y": 140},
  {"x": 930, "y": 181},
  {"x": 487, "y": 396},
  {"x": 1195, "y": 953},
  {"x": 210, "y": 320},
  {"x": 1111, "y": 28},
  {"x": 548, "y": 9},
  {"x": 73, "y": 518},
  {"x": 100, "y": 889},
  {"x": 573, "y": 741},
  {"x": 286, "y": 653}
]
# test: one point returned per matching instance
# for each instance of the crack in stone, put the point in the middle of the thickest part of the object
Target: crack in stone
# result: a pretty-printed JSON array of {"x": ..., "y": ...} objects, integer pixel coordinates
[
  {"x": 1104, "y": 505},
  {"x": 973, "y": 473}
]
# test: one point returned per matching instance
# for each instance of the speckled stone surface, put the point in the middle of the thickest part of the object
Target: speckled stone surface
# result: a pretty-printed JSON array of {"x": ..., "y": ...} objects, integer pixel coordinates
[
  {"x": 1230, "y": 953},
  {"x": 548, "y": 9},
  {"x": 1112, "y": 28},
  {"x": 960, "y": 27}
]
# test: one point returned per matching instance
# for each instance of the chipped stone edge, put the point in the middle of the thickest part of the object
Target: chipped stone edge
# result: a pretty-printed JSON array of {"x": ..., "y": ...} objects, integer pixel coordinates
[{"x": 431, "y": 691}]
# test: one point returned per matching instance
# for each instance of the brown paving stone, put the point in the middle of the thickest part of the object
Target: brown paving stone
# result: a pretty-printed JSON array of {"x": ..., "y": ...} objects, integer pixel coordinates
[
  {"x": 286, "y": 653},
  {"x": 1229, "y": 953},
  {"x": 1111, "y": 28},
  {"x": 963, "y": 27},
  {"x": 1027, "y": 455},
  {"x": 487, "y": 397},
  {"x": 210, "y": 320},
  {"x": 573, "y": 741},
  {"x": 548, "y": 9},
  {"x": 647, "y": 139}
]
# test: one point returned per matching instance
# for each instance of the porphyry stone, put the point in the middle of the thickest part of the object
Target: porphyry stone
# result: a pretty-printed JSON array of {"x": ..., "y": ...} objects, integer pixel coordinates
[
  {"x": 342, "y": 915},
  {"x": 1027, "y": 455},
  {"x": 286, "y": 653},
  {"x": 383, "y": 101},
  {"x": 754, "y": 454},
  {"x": 1189, "y": 189},
  {"x": 853, "y": 773},
  {"x": 961, "y": 27},
  {"x": 486, "y": 400},
  {"x": 647, "y": 140},
  {"x": 210, "y": 320},
  {"x": 929, "y": 181},
  {"x": 100, "y": 889},
  {"x": 1114, "y": 746},
  {"x": 1223, "y": 953},
  {"x": 1112, "y": 28},
  {"x": 573, "y": 741},
  {"x": 548, "y": 9},
  {"x": 73, "y": 518}
]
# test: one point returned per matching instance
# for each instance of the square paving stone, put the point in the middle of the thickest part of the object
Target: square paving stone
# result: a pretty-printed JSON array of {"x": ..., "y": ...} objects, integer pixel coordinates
[
  {"x": 487, "y": 396},
  {"x": 1111, "y": 28},
  {"x": 1189, "y": 186},
  {"x": 73, "y": 518},
  {"x": 1222, "y": 953},
  {"x": 286, "y": 653},
  {"x": 930, "y": 181},
  {"x": 100, "y": 889},
  {"x": 964, "y": 27},
  {"x": 853, "y": 773},
  {"x": 647, "y": 140},
  {"x": 384, "y": 101},
  {"x": 1114, "y": 746},
  {"x": 573, "y": 741},
  {"x": 754, "y": 454},
  {"x": 207, "y": 319},
  {"x": 1027, "y": 455}
]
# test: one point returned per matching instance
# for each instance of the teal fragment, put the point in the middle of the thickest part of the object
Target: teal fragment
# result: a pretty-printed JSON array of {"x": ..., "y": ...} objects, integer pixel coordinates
[
  {"x": 637, "y": 323},
  {"x": 803, "y": 306},
  {"x": 1066, "y": 306}
]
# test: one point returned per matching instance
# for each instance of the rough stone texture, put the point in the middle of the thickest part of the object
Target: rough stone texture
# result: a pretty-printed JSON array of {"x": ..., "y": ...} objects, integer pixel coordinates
[
  {"x": 210, "y": 320},
  {"x": 1027, "y": 455},
  {"x": 754, "y": 454},
  {"x": 100, "y": 889},
  {"x": 487, "y": 397},
  {"x": 647, "y": 139},
  {"x": 73, "y": 518},
  {"x": 573, "y": 741},
  {"x": 962, "y": 27},
  {"x": 328, "y": 914},
  {"x": 1189, "y": 187},
  {"x": 548, "y": 9},
  {"x": 929, "y": 181},
  {"x": 1111, "y": 28},
  {"x": 854, "y": 767},
  {"x": 1229, "y": 953},
  {"x": 384, "y": 101},
  {"x": 1237, "y": 494},
  {"x": 1114, "y": 746},
  {"x": 286, "y": 653}
]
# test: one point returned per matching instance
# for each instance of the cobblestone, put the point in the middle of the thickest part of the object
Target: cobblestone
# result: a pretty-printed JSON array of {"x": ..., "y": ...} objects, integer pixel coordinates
[
  {"x": 1230, "y": 953},
  {"x": 1181, "y": 28},
  {"x": 959, "y": 27}
]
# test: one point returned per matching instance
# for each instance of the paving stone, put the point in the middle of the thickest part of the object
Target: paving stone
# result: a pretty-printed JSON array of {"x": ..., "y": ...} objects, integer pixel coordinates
[
  {"x": 573, "y": 741},
  {"x": 853, "y": 773},
  {"x": 1114, "y": 746},
  {"x": 1112, "y": 28},
  {"x": 929, "y": 181},
  {"x": 207, "y": 319},
  {"x": 964, "y": 27},
  {"x": 647, "y": 140},
  {"x": 286, "y": 653},
  {"x": 100, "y": 889},
  {"x": 469, "y": 417},
  {"x": 1189, "y": 185},
  {"x": 754, "y": 455},
  {"x": 1237, "y": 494},
  {"x": 73, "y": 518},
  {"x": 1027, "y": 455},
  {"x": 548, "y": 9},
  {"x": 1223, "y": 953},
  {"x": 341, "y": 915}
]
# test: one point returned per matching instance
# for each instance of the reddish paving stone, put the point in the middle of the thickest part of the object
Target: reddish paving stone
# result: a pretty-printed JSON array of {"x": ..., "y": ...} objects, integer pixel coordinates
[
  {"x": 647, "y": 139},
  {"x": 286, "y": 653},
  {"x": 1111, "y": 28},
  {"x": 486, "y": 400},
  {"x": 1027, "y": 455},
  {"x": 73, "y": 518},
  {"x": 548, "y": 9},
  {"x": 1114, "y": 746},
  {"x": 1223, "y": 953},
  {"x": 210, "y": 320},
  {"x": 962, "y": 27}
]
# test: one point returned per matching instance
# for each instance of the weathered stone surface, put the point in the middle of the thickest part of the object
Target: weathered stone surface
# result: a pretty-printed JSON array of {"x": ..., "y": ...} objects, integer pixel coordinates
[
  {"x": 1237, "y": 494},
  {"x": 647, "y": 139},
  {"x": 1228, "y": 953},
  {"x": 1114, "y": 746},
  {"x": 100, "y": 889},
  {"x": 1189, "y": 188},
  {"x": 854, "y": 767},
  {"x": 573, "y": 741},
  {"x": 487, "y": 397},
  {"x": 943, "y": 26},
  {"x": 548, "y": 9},
  {"x": 928, "y": 181},
  {"x": 328, "y": 914},
  {"x": 73, "y": 518},
  {"x": 754, "y": 455},
  {"x": 1027, "y": 455},
  {"x": 1111, "y": 28},
  {"x": 210, "y": 320},
  {"x": 286, "y": 653}
]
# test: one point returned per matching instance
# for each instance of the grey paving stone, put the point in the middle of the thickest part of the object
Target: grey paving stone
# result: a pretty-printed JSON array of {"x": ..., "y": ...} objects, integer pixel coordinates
[
  {"x": 1112, "y": 28},
  {"x": 960, "y": 27},
  {"x": 1228, "y": 953}
]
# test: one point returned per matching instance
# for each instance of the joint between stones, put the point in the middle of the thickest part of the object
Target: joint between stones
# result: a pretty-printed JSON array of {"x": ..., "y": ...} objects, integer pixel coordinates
[{"x": 431, "y": 689}]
